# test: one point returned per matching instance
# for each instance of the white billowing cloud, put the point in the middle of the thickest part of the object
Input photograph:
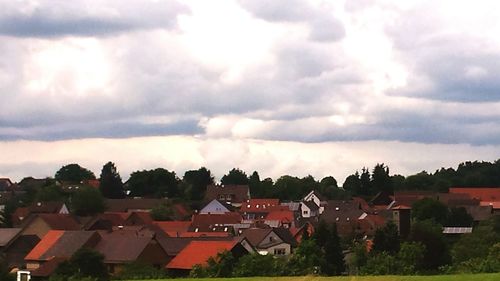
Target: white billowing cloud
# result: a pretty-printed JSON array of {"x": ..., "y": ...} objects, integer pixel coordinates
[{"x": 269, "y": 158}]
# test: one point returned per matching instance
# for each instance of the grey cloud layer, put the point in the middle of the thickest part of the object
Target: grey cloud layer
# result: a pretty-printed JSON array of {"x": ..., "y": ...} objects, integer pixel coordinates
[
  {"x": 79, "y": 18},
  {"x": 312, "y": 90}
]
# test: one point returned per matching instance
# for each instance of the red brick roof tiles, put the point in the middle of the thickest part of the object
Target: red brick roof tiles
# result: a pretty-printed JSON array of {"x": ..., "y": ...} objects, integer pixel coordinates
[{"x": 198, "y": 252}]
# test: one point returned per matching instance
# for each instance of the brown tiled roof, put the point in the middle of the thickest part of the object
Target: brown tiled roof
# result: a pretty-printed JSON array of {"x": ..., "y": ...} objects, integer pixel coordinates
[
  {"x": 46, "y": 207},
  {"x": 62, "y": 244},
  {"x": 202, "y": 220},
  {"x": 479, "y": 213},
  {"x": 7, "y": 235},
  {"x": 285, "y": 235},
  {"x": 60, "y": 221},
  {"x": 259, "y": 205},
  {"x": 122, "y": 246},
  {"x": 238, "y": 193},
  {"x": 409, "y": 197},
  {"x": 341, "y": 211},
  {"x": 488, "y": 194},
  {"x": 256, "y": 235},
  {"x": 457, "y": 199},
  {"x": 173, "y": 228}
]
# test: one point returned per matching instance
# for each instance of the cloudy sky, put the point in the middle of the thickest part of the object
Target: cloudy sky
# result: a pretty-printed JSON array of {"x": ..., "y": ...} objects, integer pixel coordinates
[{"x": 282, "y": 87}]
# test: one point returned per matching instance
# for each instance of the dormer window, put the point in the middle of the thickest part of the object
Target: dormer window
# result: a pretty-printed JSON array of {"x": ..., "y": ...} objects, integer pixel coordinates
[{"x": 196, "y": 230}]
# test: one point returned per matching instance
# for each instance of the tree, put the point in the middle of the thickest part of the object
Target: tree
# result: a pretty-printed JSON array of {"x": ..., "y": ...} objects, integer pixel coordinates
[
  {"x": 220, "y": 266},
  {"x": 87, "y": 201},
  {"x": 111, "y": 183},
  {"x": 381, "y": 181},
  {"x": 386, "y": 239},
  {"x": 428, "y": 208},
  {"x": 255, "y": 186},
  {"x": 49, "y": 193},
  {"x": 162, "y": 213},
  {"x": 410, "y": 258},
  {"x": 257, "y": 265},
  {"x": 334, "y": 259},
  {"x": 235, "y": 176},
  {"x": 307, "y": 259},
  {"x": 197, "y": 182},
  {"x": 459, "y": 217},
  {"x": 73, "y": 173},
  {"x": 84, "y": 263},
  {"x": 157, "y": 183},
  {"x": 429, "y": 234},
  {"x": 353, "y": 184}
]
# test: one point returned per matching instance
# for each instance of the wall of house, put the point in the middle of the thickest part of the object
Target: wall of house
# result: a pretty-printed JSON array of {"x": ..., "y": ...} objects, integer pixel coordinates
[
  {"x": 270, "y": 239},
  {"x": 153, "y": 254},
  {"x": 37, "y": 227},
  {"x": 285, "y": 246}
]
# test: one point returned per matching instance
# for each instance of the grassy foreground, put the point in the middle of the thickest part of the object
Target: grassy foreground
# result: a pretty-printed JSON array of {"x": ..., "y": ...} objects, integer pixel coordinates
[{"x": 462, "y": 277}]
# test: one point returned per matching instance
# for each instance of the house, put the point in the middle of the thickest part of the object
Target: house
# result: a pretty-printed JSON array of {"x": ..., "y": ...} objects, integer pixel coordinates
[
  {"x": 41, "y": 224},
  {"x": 198, "y": 253},
  {"x": 274, "y": 241},
  {"x": 402, "y": 219},
  {"x": 259, "y": 208},
  {"x": 51, "y": 207},
  {"x": 453, "y": 200},
  {"x": 407, "y": 198},
  {"x": 317, "y": 198},
  {"x": 126, "y": 245},
  {"x": 280, "y": 218},
  {"x": 298, "y": 232},
  {"x": 479, "y": 213},
  {"x": 487, "y": 196},
  {"x": 215, "y": 207},
  {"x": 55, "y": 247},
  {"x": 309, "y": 209},
  {"x": 345, "y": 214},
  {"x": 14, "y": 246},
  {"x": 173, "y": 228},
  {"x": 214, "y": 222},
  {"x": 7, "y": 185},
  {"x": 134, "y": 204},
  {"x": 231, "y": 194}
]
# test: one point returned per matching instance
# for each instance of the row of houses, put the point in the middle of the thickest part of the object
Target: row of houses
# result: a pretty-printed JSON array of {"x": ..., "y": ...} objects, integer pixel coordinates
[{"x": 46, "y": 233}]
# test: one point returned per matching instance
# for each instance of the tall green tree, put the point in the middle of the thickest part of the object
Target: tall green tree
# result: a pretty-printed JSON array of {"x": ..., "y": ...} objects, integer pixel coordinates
[
  {"x": 154, "y": 183},
  {"x": 235, "y": 176},
  {"x": 353, "y": 184},
  {"x": 366, "y": 182},
  {"x": 83, "y": 264},
  {"x": 386, "y": 239},
  {"x": 381, "y": 181},
  {"x": 87, "y": 201},
  {"x": 196, "y": 182},
  {"x": 111, "y": 183},
  {"x": 429, "y": 208},
  {"x": 73, "y": 173},
  {"x": 429, "y": 234},
  {"x": 334, "y": 258},
  {"x": 255, "y": 186}
]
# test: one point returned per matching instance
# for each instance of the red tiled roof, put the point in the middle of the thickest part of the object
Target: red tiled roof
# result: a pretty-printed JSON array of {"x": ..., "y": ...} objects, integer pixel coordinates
[
  {"x": 283, "y": 216},
  {"x": 173, "y": 228},
  {"x": 483, "y": 193},
  {"x": 495, "y": 205},
  {"x": 92, "y": 183},
  {"x": 212, "y": 219},
  {"x": 259, "y": 205},
  {"x": 204, "y": 234},
  {"x": 198, "y": 252},
  {"x": 45, "y": 244},
  {"x": 60, "y": 221}
]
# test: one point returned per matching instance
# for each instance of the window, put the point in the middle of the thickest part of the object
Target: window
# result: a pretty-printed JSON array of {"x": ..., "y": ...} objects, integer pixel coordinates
[
  {"x": 280, "y": 251},
  {"x": 305, "y": 212}
]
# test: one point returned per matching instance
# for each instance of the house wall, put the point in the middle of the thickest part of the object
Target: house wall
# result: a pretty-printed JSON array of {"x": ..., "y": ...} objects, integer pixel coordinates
[
  {"x": 270, "y": 239},
  {"x": 214, "y": 207},
  {"x": 36, "y": 227},
  {"x": 154, "y": 254},
  {"x": 285, "y": 246}
]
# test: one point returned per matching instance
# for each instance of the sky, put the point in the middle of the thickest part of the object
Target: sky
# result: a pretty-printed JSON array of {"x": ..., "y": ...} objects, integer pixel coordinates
[{"x": 310, "y": 87}]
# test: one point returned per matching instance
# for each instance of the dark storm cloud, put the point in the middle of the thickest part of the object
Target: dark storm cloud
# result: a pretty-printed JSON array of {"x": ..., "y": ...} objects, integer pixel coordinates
[{"x": 77, "y": 18}]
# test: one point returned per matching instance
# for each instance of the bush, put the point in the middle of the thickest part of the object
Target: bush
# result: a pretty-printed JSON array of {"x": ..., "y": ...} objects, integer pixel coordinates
[{"x": 137, "y": 270}]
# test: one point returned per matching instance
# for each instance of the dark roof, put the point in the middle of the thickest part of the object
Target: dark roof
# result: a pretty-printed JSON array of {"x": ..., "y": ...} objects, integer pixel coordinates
[
  {"x": 61, "y": 244},
  {"x": 259, "y": 205},
  {"x": 285, "y": 235},
  {"x": 256, "y": 235},
  {"x": 201, "y": 220},
  {"x": 60, "y": 221},
  {"x": 341, "y": 210},
  {"x": 409, "y": 197},
  {"x": 382, "y": 198},
  {"x": 479, "y": 213},
  {"x": 7, "y": 235},
  {"x": 457, "y": 199},
  {"x": 46, "y": 207},
  {"x": 311, "y": 205},
  {"x": 122, "y": 246},
  {"x": 238, "y": 193},
  {"x": 5, "y": 184},
  {"x": 128, "y": 204}
]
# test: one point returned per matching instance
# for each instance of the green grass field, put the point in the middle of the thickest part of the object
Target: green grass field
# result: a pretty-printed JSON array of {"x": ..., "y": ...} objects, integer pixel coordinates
[{"x": 463, "y": 277}]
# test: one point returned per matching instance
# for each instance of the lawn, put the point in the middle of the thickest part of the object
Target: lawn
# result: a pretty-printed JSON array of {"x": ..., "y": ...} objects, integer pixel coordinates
[{"x": 463, "y": 277}]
